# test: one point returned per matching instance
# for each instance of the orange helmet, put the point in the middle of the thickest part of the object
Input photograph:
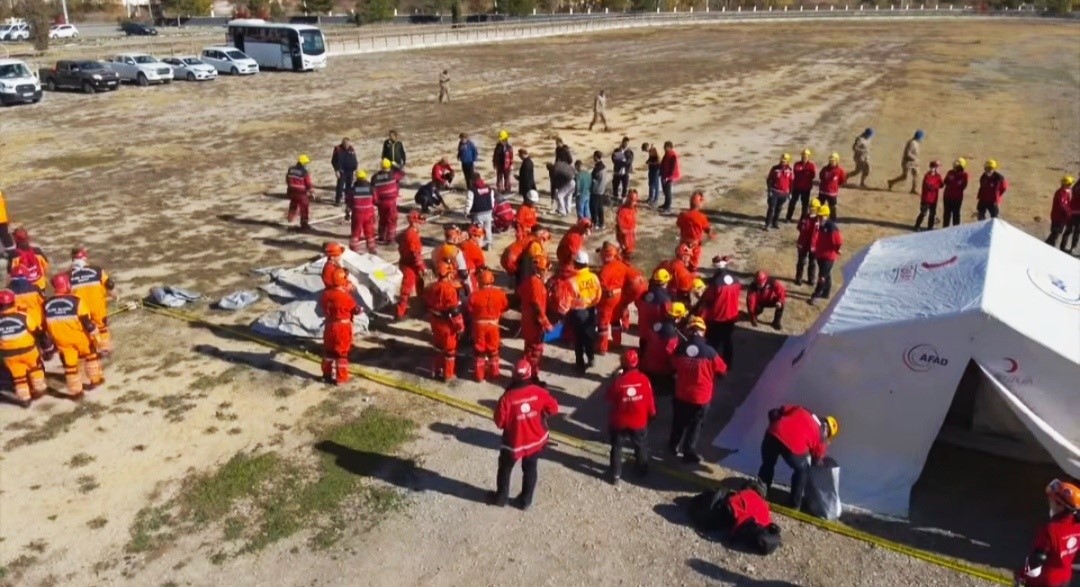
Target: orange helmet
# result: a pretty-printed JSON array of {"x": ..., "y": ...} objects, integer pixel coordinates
[
  {"x": 697, "y": 323},
  {"x": 415, "y": 217},
  {"x": 339, "y": 278},
  {"x": 629, "y": 359},
  {"x": 541, "y": 263},
  {"x": 523, "y": 370},
  {"x": 1060, "y": 492},
  {"x": 696, "y": 199},
  {"x": 760, "y": 278},
  {"x": 476, "y": 231},
  {"x": 61, "y": 283},
  {"x": 333, "y": 249},
  {"x": 485, "y": 277}
]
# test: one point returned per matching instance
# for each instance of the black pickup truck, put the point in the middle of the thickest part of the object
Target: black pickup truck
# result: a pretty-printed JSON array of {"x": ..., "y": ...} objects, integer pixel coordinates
[{"x": 88, "y": 76}]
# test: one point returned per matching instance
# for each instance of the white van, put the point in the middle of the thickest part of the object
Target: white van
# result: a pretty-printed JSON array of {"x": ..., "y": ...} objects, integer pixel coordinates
[
  {"x": 18, "y": 84},
  {"x": 229, "y": 60}
]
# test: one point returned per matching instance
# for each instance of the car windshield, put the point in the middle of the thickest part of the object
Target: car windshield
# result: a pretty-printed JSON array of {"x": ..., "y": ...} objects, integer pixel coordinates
[
  {"x": 13, "y": 70},
  {"x": 311, "y": 43},
  {"x": 193, "y": 61},
  {"x": 236, "y": 55},
  {"x": 90, "y": 65},
  {"x": 145, "y": 59}
]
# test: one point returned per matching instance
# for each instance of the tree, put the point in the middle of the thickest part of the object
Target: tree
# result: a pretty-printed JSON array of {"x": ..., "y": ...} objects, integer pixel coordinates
[
  {"x": 277, "y": 11},
  {"x": 39, "y": 14},
  {"x": 517, "y": 7},
  {"x": 186, "y": 7},
  {"x": 318, "y": 6},
  {"x": 375, "y": 10}
]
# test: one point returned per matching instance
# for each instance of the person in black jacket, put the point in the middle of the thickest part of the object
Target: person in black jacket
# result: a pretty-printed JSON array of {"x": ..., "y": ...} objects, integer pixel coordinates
[
  {"x": 394, "y": 151},
  {"x": 526, "y": 177},
  {"x": 345, "y": 165},
  {"x": 599, "y": 186},
  {"x": 622, "y": 163}
]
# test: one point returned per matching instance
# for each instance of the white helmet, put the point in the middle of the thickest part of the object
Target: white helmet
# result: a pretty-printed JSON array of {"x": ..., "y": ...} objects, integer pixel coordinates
[
  {"x": 532, "y": 196},
  {"x": 581, "y": 258}
]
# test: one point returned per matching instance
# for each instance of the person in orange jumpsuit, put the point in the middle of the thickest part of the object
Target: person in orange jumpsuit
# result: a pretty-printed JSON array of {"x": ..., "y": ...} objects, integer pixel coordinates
[
  {"x": 411, "y": 263},
  {"x": 633, "y": 288},
  {"x": 572, "y": 242},
  {"x": 338, "y": 307},
  {"x": 516, "y": 259},
  {"x": 333, "y": 252},
  {"x": 682, "y": 278},
  {"x": 447, "y": 323},
  {"x": 95, "y": 288},
  {"x": 30, "y": 300},
  {"x": 626, "y": 224},
  {"x": 486, "y": 307},
  {"x": 29, "y": 257},
  {"x": 473, "y": 250},
  {"x": 69, "y": 325},
  {"x": 533, "y": 298},
  {"x": 612, "y": 278},
  {"x": 451, "y": 252},
  {"x": 526, "y": 217},
  {"x": 693, "y": 228},
  {"x": 20, "y": 352}
]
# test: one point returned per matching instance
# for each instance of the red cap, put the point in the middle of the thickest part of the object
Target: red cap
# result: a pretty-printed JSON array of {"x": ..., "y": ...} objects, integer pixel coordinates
[{"x": 522, "y": 369}]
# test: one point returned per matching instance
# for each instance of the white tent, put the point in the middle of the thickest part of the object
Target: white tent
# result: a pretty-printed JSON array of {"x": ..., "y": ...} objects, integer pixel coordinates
[{"x": 887, "y": 355}]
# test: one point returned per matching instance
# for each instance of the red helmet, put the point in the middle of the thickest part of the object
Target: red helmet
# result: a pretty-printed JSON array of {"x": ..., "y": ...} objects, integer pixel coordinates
[
  {"x": 760, "y": 278},
  {"x": 21, "y": 236},
  {"x": 332, "y": 249},
  {"x": 61, "y": 282},
  {"x": 476, "y": 230},
  {"x": 696, "y": 199},
  {"x": 522, "y": 369},
  {"x": 584, "y": 223},
  {"x": 629, "y": 359},
  {"x": 79, "y": 253},
  {"x": 415, "y": 217},
  {"x": 7, "y": 298},
  {"x": 486, "y": 277},
  {"x": 20, "y": 272}
]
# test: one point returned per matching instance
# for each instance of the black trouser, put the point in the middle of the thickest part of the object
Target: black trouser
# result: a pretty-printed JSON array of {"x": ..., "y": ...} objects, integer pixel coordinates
[
  {"x": 771, "y": 450},
  {"x": 637, "y": 439},
  {"x": 528, "y": 476},
  {"x": 584, "y": 324},
  {"x": 925, "y": 209},
  {"x": 1072, "y": 228},
  {"x": 952, "y": 213},
  {"x": 983, "y": 208},
  {"x": 666, "y": 187},
  {"x": 7, "y": 241},
  {"x": 800, "y": 196},
  {"x": 824, "y": 283},
  {"x": 831, "y": 201},
  {"x": 467, "y": 171},
  {"x": 596, "y": 210},
  {"x": 686, "y": 426},
  {"x": 804, "y": 254},
  {"x": 344, "y": 183},
  {"x": 718, "y": 335},
  {"x": 620, "y": 186},
  {"x": 775, "y": 207}
]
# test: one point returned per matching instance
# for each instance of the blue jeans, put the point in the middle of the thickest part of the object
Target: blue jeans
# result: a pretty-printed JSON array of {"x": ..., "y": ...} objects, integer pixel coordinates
[
  {"x": 583, "y": 206},
  {"x": 654, "y": 185}
]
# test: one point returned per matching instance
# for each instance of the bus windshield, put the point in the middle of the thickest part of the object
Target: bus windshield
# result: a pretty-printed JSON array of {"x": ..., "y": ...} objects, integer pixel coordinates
[{"x": 311, "y": 43}]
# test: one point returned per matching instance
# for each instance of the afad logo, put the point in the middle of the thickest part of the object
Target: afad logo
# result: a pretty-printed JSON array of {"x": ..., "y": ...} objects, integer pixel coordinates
[
  {"x": 923, "y": 357},
  {"x": 910, "y": 271},
  {"x": 1008, "y": 373},
  {"x": 1056, "y": 287}
]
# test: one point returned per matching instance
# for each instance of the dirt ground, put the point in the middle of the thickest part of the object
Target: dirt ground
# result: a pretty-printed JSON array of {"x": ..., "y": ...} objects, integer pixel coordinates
[{"x": 181, "y": 185}]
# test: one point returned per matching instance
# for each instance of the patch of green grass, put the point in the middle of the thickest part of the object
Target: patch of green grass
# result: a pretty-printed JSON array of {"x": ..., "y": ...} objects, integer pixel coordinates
[
  {"x": 14, "y": 570},
  {"x": 80, "y": 460},
  {"x": 151, "y": 530},
  {"x": 283, "y": 392},
  {"x": 234, "y": 528},
  {"x": 56, "y": 425},
  {"x": 87, "y": 483},
  {"x": 97, "y": 523},
  {"x": 218, "y": 558},
  {"x": 38, "y": 546},
  {"x": 175, "y": 406},
  {"x": 53, "y": 517}
]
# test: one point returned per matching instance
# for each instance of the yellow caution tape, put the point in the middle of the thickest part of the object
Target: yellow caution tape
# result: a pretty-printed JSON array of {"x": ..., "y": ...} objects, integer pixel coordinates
[{"x": 594, "y": 448}]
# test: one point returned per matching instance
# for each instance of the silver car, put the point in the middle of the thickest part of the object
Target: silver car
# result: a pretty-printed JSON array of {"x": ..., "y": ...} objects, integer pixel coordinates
[{"x": 191, "y": 68}]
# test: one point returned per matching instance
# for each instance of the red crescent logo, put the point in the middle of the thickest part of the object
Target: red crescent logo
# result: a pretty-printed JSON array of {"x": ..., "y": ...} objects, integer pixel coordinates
[
  {"x": 949, "y": 261},
  {"x": 1013, "y": 365}
]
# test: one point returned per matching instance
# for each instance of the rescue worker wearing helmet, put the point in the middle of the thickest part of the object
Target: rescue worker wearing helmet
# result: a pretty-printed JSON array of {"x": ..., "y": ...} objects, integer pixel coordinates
[
  {"x": 956, "y": 181},
  {"x": 503, "y": 162},
  {"x": 411, "y": 263},
  {"x": 533, "y": 298},
  {"x": 612, "y": 278},
  {"x": 992, "y": 188},
  {"x": 631, "y": 407},
  {"x": 578, "y": 296},
  {"x": 801, "y": 438},
  {"x": 719, "y": 307},
  {"x": 804, "y": 244},
  {"x": 447, "y": 324},
  {"x": 1050, "y": 562},
  {"x": 664, "y": 338},
  {"x": 333, "y": 252},
  {"x": 830, "y": 178},
  {"x": 765, "y": 292},
  {"x": 696, "y": 365},
  {"x": 30, "y": 257},
  {"x": 473, "y": 251},
  {"x": 1073, "y": 227},
  {"x": 521, "y": 413},
  {"x": 909, "y": 163},
  {"x": 827, "y": 245},
  {"x": 95, "y": 288},
  {"x": 526, "y": 217},
  {"x": 386, "y": 188},
  {"x": 393, "y": 151},
  {"x": 300, "y": 188},
  {"x": 339, "y": 308},
  {"x": 360, "y": 210},
  {"x": 931, "y": 186},
  {"x": 802, "y": 183},
  {"x": 653, "y": 306},
  {"x": 860, "y": 154},
  {"x": 486, "y": 307},
  {"x": 19, "y": 351},
  {"x": 693, "y": 227},
  {"x": 30, "y": 301},
  {"x": 777, "y": 190},
  {"x": 1061, "y": 214},
  {"x": 634, "y": 287},
  {"x": 68, "y": 322}
]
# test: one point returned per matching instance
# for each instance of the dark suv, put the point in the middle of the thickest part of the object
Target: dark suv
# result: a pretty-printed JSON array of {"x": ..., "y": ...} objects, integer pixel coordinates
[{"x": 138, "y": 29}]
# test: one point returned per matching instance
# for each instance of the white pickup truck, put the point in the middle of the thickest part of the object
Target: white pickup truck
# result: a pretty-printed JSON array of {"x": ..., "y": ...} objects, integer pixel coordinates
[{"x": 140, "y": 68}]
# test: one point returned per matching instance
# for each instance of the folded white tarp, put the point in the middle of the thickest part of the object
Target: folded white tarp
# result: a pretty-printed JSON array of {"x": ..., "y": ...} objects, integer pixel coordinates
[{"x": 302, "y": 319}]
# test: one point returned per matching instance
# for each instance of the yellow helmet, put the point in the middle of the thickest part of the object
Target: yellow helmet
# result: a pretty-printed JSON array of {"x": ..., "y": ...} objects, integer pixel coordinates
[
  {"x": 834, "y": 158},
  {"x": 661, "y": 276},
  {"x": 697, "y": 323},
  {"x": 503, "y": 135},
  {"x": 699, "y": 285},
  {"x": 990, "y": 164},
  {"x": 303, "y": 159},
  {"x": 1068, "y": 180},
  {"x": 678, "y": 310},
  {"x": 807, "y": 152},
  {"x": 386, "y": 164},
  {"x": 361, "y": 174},
  {"x": 824, "y": 210},
  {"x": 786, "y": 158},
  {"x": 832, "y": 427},
  {"x": 961, "y": 163}
]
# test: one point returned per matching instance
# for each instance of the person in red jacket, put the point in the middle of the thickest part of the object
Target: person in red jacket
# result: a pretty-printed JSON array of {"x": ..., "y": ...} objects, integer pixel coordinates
[
  {"x": 932, "y": 183},
  {"x": 503, "y": 163},
  {"x": 992, "y": 187},
  {"x": 746, "y": 519},
  {"x": 804, "y": 245},
  {"x": 670, "y": 172},
  {"x": 386, "y": 186},
  {"x": 1061, "y": 211},
  {"x": 632, "y": 406},
  {"x": 956, "y": 181},
  {"x": 804, "y": 173},
  {"x": 830, "y": 178},
  {"x": 697, "y": 365},
  {"x": 521, "y": 414},
  {"x": 411, "y": 263},
  {"x": 442, "y": 174},
  {"x": 719, "y": 307},
  {"x": 653, "y": 306},
  {"x": 300, "y": 188},
  {"x": 338, "y": 308},
  {"x": 664, "y": 338},
  {"x": 1073, "y": 227},
  {"x": 1050, "y": 563},
  {"x": 799, "y": 437},
  {"x": 826, "y": 250},
  {"x": 765, "y": 293},
  {"x": 778, "y": 189}
]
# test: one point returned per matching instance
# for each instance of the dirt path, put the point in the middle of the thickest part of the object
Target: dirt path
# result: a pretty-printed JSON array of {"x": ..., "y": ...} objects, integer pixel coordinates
[{"x": 183, "y": 203}]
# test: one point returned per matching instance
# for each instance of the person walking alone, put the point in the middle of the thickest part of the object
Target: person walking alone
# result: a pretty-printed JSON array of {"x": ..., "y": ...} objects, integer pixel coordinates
[
  {"x": 599, "y": 106},
  {"x": 444, "y": 86},
  {"x": 860, "y": 153}
]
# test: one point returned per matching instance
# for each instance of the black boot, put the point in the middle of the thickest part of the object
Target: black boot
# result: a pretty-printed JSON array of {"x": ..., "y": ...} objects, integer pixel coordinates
[{"x": 777, "y": 317}]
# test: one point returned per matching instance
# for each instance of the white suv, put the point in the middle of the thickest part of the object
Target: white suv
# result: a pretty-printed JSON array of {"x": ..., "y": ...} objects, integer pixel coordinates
[
  {"x": 229, "y": 60},
  {"x": 140, "y": 68}
]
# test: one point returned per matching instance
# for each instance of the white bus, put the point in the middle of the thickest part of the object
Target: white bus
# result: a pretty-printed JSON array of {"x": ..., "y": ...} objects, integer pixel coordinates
[{"x": 297, "y": 47}]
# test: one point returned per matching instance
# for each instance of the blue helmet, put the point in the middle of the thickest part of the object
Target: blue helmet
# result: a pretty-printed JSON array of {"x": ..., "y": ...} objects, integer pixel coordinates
[
  {"x": 868, "y": 133},
  {"x": 919, "y": 134}
]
